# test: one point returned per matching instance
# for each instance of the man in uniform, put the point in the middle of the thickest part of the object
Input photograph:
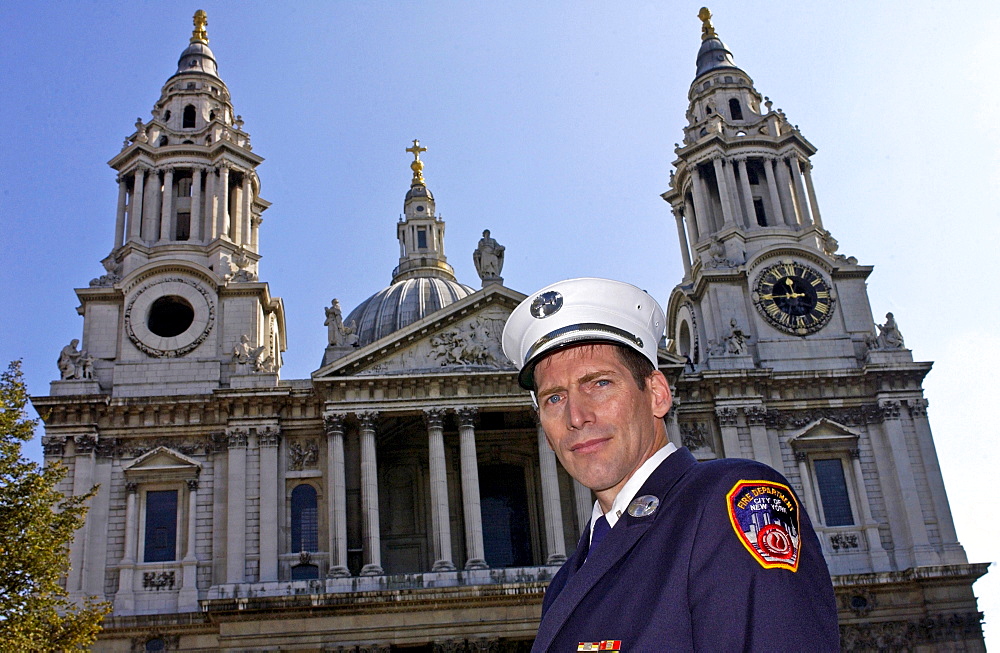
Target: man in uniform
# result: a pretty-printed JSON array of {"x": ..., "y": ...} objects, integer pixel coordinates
[{"x": 678, "y": 555}]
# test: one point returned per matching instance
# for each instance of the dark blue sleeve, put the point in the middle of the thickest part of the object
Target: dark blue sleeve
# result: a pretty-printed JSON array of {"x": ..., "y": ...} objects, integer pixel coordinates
[{"x": 739, "y": 605}]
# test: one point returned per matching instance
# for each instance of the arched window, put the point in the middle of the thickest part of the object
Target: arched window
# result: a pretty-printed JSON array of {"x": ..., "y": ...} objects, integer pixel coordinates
[
  {"x": 735, "y": 110},
  {"x": 189, "y": 115},
  {"x": 164, "y": 141},
  {"x": 166, "y": 116},
  {"x": 305, "y": 524},
  {"x": 211, "y": 115}
]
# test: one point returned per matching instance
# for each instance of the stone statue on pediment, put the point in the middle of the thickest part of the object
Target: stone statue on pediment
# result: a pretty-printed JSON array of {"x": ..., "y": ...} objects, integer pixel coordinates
[
  {"x": 488, "y": 258},
  {"x": 889, "y": 336}
]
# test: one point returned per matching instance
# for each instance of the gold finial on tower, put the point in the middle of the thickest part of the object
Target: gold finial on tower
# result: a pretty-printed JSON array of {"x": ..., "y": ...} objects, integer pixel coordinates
[
  {"x": 417, "y": 166},
  {"x": 707, "y": 31},
  {"x": 200, "y": 35}
]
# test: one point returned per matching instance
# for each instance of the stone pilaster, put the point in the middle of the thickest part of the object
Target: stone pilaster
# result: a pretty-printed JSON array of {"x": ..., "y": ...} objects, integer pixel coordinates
[
  {"x": 772, "y": 190},
  {"x": 730, "y": 437},
  {"x": 724, "y": 196},
  {"x": 167, "y": 206},
  {"x": 187, "y": 600},
  {"x": 270, "y": 477},
  {"x": 236, "y": 501},
  {"x": 125, "y": 596}
]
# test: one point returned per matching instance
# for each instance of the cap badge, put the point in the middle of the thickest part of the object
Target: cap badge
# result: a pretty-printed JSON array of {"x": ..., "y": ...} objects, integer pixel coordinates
[
  {"x": 643, "y": 506},
  {"x": 546, "y": 304}
]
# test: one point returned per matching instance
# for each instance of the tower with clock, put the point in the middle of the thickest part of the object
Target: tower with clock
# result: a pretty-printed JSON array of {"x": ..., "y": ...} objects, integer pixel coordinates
[{"x": 784, "y": 363}]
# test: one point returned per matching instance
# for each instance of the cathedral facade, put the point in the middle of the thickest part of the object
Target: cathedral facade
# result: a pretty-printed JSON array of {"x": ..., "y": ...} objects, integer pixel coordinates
[{"x": 404, "y": 497}]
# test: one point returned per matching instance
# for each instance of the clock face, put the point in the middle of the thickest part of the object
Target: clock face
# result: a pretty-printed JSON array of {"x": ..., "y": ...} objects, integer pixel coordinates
[{"x": 794, "y": 298}]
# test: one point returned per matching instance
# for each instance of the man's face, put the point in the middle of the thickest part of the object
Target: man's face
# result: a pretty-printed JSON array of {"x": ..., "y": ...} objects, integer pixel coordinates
[{"x": 596, "y": 419}]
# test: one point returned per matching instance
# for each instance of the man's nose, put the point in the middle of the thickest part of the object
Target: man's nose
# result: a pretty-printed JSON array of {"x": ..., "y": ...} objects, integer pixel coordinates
[{"x": 580, "y": 411}]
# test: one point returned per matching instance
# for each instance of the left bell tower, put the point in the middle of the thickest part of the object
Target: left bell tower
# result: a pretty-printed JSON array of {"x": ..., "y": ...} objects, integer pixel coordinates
[{"x": 181, "y": 309}]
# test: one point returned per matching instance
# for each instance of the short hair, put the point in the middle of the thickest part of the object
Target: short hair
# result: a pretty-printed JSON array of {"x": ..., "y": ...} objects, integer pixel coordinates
[{"x": 635, "y": 362}]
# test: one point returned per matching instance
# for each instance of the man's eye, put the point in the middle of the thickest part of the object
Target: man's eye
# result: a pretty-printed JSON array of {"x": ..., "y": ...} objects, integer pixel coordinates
[
  {"x": 602, "y": 382},
  {"x": 553, "y": 399}
]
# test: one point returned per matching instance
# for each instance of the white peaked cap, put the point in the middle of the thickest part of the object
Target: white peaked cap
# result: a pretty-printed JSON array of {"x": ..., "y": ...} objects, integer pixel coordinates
[{"x": 577, "y": 311}]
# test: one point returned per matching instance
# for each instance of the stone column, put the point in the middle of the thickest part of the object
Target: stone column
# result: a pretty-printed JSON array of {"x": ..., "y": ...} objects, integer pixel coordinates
[
  {"x": 730, "y": 438},
  {"x": 243, "y": 228},
  {"x": 762, "y": 452},
  {"x": 583, "y": 501},
  {"x": 120, "y": 215},
  {"x": 800, "y": 191},
  {"x": 187, "y": 601},
  {"x": 135, "y": 206},
  {"x": 692, "y": 222},
  {"x": 682, "y": 239},
  {"x": 475, "y": 556},
  {"x": 706, "y": 224},
  {"x": 772, "y": 190},
  {"x": 336, "y": 494},
  {"x": 785, "y": 193},
  {"x": 211, "y": 204},
  {"x": 369, "y": 497},
  {"x": 270, "y": 479},
  {"x": 124, "y": 598},
  {"x": 197, "y": 228},
  {"x": 724, "y": 197},
  {"x": 747, "y": 194},
  {"x": 440, "y": 513},
  {"x": 911, "y": 519},
  {"x": 555, "y": 539},
  {"x": 167, "y": 207},
  {"x": 734, "y": 194},
  {"x": 808, "y": 493},
  {"x": 151, "y": 213},
  {"x": 673, "y": 422},
  {"x": 236, "y": 502},
  {"x": 932, "y": 469},
  {"x": 878, "y": 555},
  {"x": 811, "y": 190},
  {"x": 222, "y": 212},
  {"x": 254, "y": 231}
]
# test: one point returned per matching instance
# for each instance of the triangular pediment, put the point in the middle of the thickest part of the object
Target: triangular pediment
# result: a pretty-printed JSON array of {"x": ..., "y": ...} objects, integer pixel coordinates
[
  {"x": 464, "y": 336},
  {"x": 824, "y": 433},
  {"x": 163, "y": 461}
]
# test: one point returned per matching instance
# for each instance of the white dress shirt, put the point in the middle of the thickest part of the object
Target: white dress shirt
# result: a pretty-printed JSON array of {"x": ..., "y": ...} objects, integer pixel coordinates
[{"x": 628, "y": 491}]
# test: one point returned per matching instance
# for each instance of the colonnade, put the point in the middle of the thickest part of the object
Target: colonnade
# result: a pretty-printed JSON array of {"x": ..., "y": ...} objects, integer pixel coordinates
[
  {"x": 790, "y": 192},
  {"x": 147, "y": 211},
  {"x": 440, "y": 526}
]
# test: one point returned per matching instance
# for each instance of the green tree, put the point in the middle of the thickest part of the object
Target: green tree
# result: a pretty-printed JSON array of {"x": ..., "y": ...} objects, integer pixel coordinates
[{"x": 37, "y": 523}]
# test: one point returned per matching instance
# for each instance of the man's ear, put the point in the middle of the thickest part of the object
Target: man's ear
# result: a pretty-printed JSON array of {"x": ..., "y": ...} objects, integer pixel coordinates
[{"x": 659, "y": 391}]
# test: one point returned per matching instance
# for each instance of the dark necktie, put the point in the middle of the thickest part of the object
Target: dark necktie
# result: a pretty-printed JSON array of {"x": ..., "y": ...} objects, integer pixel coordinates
[{"x": 601, "y": 528}]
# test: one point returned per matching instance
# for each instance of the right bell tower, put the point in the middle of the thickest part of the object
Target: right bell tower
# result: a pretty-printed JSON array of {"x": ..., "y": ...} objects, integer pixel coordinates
[{"x": 784, "y": 364}]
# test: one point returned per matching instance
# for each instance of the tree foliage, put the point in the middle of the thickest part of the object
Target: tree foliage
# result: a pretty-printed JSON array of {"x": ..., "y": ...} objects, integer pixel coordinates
[{"x": 37, "y": 523}]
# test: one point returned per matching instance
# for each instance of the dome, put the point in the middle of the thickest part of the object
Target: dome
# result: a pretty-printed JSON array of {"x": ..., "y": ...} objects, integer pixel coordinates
[
  {"x": 401, "y": 304},
  {"x": 197, "y": 58},
  {"x": 713, "y": 55},
  {"x": 417, "y": 192}
]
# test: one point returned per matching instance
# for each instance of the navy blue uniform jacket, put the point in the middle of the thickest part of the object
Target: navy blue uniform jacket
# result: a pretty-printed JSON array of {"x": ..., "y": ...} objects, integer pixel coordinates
[{"x": 682, "y": 580}]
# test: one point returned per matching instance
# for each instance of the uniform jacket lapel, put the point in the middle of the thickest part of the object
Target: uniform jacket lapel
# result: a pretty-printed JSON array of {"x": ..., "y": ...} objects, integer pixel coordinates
[{"x": 616, "y": 545}]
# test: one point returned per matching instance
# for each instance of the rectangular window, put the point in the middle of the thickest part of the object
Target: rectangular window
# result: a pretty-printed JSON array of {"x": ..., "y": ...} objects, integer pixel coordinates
[
  {"x": 758, "y": 209},
  {"x": 833, "y": 492},
  {"x": 422, "y": 238},
  {"x": 183, "y": 226},
  {"x": 184, "y": 187},
  {"x": 161, "y": 526}
]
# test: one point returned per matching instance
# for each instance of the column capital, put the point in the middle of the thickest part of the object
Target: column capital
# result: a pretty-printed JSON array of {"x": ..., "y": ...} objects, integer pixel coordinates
[
  {"x": 918, "y": 406},
  {"x": 269, "y": 437},
  {"x": 434, "y": 417},
  {"x": 131, "y": 487},
  {"x": 855, "y": 453},
  {"x": 801, "y": 456},
  {"x": 192, "y": 484},
  {"x": 726, "y": 415},
  {"x": 467, "y": 415},
  {"x": 755, "y": 415},
  {"x": 367, "y": 419},
  {"x": 236, "y": 438},
  {"x": 889, "y": 409},
  {"x": 333, "y": 423}
]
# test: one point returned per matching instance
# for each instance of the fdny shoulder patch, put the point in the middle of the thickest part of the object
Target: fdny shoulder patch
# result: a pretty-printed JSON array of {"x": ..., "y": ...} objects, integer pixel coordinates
[{"x": 765, "y": 516}]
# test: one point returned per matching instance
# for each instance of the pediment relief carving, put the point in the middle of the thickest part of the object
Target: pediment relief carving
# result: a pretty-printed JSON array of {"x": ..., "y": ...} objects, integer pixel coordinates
[{"x": 472, "y": 343}]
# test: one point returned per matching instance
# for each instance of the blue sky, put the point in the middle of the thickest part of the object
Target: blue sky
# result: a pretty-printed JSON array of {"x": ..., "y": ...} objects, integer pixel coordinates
[{"x": 551, "y": 124}]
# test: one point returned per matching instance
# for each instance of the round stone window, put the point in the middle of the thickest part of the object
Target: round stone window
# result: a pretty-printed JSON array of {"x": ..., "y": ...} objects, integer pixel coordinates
[{"x": 170, "y": 316}]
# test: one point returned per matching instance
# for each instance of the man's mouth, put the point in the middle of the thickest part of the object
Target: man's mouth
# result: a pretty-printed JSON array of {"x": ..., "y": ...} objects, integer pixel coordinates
[{"x": 588, "y": 446}]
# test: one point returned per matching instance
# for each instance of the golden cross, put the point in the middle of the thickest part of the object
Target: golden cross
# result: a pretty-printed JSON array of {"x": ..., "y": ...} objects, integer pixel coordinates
[{"x": 416, "y": 150}]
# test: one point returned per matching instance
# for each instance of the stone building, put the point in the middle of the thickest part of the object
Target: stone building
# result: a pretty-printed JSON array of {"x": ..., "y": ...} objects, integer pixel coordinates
[{"x": 404, "y": 497}]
